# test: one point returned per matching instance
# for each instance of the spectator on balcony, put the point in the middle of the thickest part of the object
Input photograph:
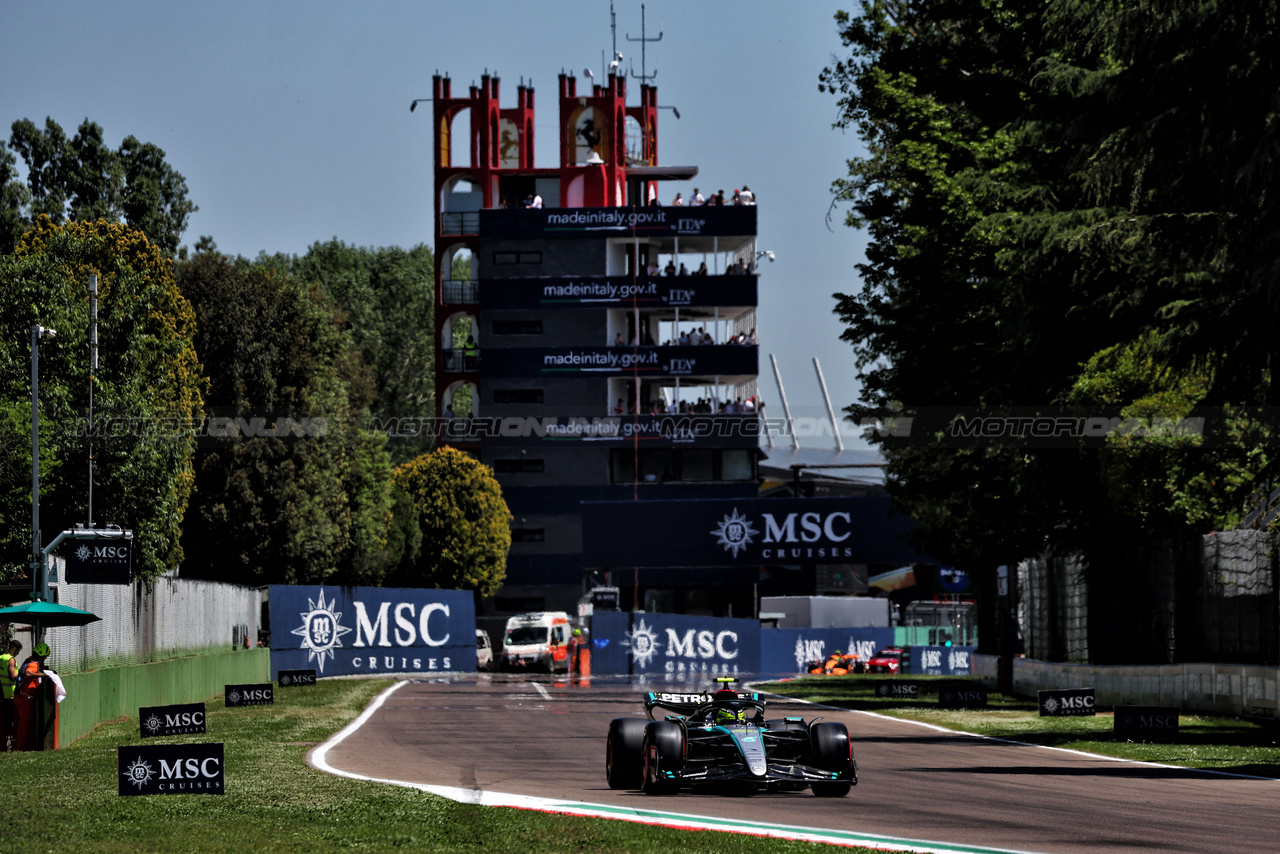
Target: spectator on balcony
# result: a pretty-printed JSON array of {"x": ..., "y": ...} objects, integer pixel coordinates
[
  {"x": 448, "y": 412},
  {"x": 696, "y": 199},
  {"x": 702, "y": 269},
  {"x": 678, "y": 202},
  {"x": 683, "y": 340},
  {"x": 748, "y": 197},
  {"x": 684, "y": 271},
  {"x": 652, "y": 269},
  {"x": 670, "y": 269},
  {"x": 718, "y": 199},
  {"x": 535, "y": 201},
  {"x": 618, "y": 408},
  {"x": 751, "y": 337},
  {"x": 737, "y": 197},
  {"x": 618, "y": 342},
  {"x": 469, "y": 353}
]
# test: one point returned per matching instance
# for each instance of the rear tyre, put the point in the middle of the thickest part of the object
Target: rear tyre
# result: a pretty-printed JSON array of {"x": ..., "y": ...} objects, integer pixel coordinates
[
  {"x": 832, "y": 751},
  {"x": 663, "y": 752},
  {"x": 624, "y": 756}
]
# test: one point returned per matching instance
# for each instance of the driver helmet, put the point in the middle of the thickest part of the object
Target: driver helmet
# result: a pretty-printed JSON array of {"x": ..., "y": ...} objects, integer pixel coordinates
[{"x": 725, "y": 715}]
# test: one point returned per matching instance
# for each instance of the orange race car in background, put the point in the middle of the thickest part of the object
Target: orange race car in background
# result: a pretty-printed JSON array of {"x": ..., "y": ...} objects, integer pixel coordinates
[{"x": 837, "y": 664}]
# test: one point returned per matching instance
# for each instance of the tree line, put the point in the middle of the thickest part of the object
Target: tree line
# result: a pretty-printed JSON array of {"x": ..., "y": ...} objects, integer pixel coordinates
[
  {"x": 1070, "y": 207},
  {"x": 234, "y": 397}
]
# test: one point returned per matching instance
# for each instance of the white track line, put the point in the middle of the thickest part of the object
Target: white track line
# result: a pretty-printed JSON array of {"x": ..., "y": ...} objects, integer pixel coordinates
[
  {"x": 1084, "y": 753},
  {"x": 318, "y": 758}
]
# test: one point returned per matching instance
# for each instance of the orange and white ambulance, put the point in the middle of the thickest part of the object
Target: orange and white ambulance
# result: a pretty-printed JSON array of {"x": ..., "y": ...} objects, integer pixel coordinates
[{"x": 537, "y": 641}]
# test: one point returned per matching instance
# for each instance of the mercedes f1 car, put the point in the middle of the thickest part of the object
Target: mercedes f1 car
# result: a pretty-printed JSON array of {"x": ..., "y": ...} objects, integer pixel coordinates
[{"x": 723, "y": 739}]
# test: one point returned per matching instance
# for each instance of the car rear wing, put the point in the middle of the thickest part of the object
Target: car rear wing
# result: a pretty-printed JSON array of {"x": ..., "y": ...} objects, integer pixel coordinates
[{"x": 687, "y": 704}]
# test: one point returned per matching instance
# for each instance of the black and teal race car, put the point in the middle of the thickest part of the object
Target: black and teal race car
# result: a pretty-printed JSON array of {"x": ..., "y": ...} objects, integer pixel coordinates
[{"x": 722, "y": 739}]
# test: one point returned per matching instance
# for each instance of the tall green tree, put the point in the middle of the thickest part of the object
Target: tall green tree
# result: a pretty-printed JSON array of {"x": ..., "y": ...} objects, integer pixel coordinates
[
  {"x": 387, "y": 297},
  {"x": 464, "y": 523},
  {"x": 301, "y": 494},
  {"x": 1066, "y": 206},
  {"x": 82, "y": 178},
  {"x": 147, "y": 390}
]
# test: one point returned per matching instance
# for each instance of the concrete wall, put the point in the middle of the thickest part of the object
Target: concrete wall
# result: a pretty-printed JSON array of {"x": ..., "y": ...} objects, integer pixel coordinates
[
  {"x": 827, "y": 611},
  {"x": 116, "y": 692},
  {"x": 1223, "y": 689}
]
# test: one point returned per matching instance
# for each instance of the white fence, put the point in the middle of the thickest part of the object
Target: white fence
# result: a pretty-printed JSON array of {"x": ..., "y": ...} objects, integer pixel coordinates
[
  {"x": 1223, "y": 689},
  {"x": 139, "y": 624}
]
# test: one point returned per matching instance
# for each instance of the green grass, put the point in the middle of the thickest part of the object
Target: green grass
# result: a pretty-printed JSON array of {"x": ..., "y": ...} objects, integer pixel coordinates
[
  {"x": 1204, "y": 741},
  {"x": 67, "y": 800}
]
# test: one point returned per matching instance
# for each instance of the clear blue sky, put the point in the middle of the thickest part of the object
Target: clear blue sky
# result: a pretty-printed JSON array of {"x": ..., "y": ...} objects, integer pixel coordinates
[{"x": 291, "y": 122}]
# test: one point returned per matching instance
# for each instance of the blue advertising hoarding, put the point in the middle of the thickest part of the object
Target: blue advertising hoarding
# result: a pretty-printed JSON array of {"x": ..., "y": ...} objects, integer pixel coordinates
[
  {"x": 786, "y": 652},
  {"x": 673, "y": 645},
  {"x": 342, "y": 631},
  {"x": 939, "y": 660},
  {"x": 603, "y": 360}
]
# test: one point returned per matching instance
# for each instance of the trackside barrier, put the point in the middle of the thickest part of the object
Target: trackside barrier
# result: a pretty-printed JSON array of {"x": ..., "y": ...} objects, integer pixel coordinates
[
  {"x": 1224, "y": 689},
  {"x": 700, "y": 648},
  {"x": 341, "y": 631},
  {"x": 939, "y": 660},
  {"x": 116, "y": 692},
  {"x": 785, "y": 652},
  {"x": 675, "y": 646}
]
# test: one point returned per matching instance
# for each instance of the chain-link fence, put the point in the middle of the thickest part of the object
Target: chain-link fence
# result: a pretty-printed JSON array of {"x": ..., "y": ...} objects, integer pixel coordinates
[
  {"x": 1214, "y": 598},
  {"x": 140, "y": 623}
]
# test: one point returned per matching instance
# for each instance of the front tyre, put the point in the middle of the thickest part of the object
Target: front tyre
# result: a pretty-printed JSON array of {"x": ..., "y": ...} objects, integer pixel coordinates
[
  {"x": 832, "y": 751},
  {"x": 663, "y": 752},
  {"x": 624, "y": 759}
]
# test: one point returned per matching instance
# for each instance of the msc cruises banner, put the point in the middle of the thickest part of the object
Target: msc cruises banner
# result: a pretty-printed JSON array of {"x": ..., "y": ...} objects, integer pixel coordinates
[
  {"x": 646, "y": 292},
  {"x": 702, "y": 221},
  {"x": 675, "y": 645},
  {"x": 789, "y": 651},
  {"x": 723, "y": 360},
  {"x": 746, "y": 532},
  {"x": 357, "y": 630}
]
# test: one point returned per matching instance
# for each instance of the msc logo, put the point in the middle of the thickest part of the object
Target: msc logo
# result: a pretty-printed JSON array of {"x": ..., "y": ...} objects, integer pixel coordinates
[
  {"x": 734, "y": 532},
  {"x": 179, "y": 719},
  {"x": 170, "y": 769},
  {"x": 249, "y": 695}
]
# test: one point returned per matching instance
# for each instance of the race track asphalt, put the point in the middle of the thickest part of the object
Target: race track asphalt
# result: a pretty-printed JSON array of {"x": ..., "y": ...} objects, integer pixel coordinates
[{"x": 507, "y": 734}]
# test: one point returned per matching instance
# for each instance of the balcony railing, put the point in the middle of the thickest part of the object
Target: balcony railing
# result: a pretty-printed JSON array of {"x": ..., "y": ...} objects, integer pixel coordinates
[
  {"x": 460, "y": 222},
  {"x": 461, "y": 292},
  {"x": 460, "y": 361}
]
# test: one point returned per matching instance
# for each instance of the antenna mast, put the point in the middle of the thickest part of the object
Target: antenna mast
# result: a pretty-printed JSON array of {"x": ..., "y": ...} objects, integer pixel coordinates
[{"x": 643, "y": 76}]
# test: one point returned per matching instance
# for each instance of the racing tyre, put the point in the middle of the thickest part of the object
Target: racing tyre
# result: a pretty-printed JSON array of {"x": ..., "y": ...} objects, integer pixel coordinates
[
  {"x": 663, "y": 751},
  {"x": 624, "y": 757},
  {"x": 832, "y": 751}
]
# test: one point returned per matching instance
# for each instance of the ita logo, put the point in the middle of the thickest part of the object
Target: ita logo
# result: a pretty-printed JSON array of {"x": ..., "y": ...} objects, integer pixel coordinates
[
  {"x": 321, "y": 631},
  {"x": 734, "y": 532}
]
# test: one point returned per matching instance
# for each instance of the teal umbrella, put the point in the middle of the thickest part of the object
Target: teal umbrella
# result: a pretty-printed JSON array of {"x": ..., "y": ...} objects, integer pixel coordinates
[{"x": 46, "y": 614}]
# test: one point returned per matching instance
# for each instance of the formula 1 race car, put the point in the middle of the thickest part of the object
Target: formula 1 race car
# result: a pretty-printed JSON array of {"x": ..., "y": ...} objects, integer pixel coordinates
[{"x": 723, "y": 739}]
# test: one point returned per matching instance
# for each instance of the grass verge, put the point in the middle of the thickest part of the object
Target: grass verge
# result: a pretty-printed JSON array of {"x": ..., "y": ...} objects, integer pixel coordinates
[
  {"x": 276, "y": 802},
  {"x": 1208, "y": 742}
]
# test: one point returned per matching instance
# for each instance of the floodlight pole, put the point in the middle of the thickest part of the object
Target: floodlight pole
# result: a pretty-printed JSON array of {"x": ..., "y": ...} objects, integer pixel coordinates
[{"x": 39, "y": 585}]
